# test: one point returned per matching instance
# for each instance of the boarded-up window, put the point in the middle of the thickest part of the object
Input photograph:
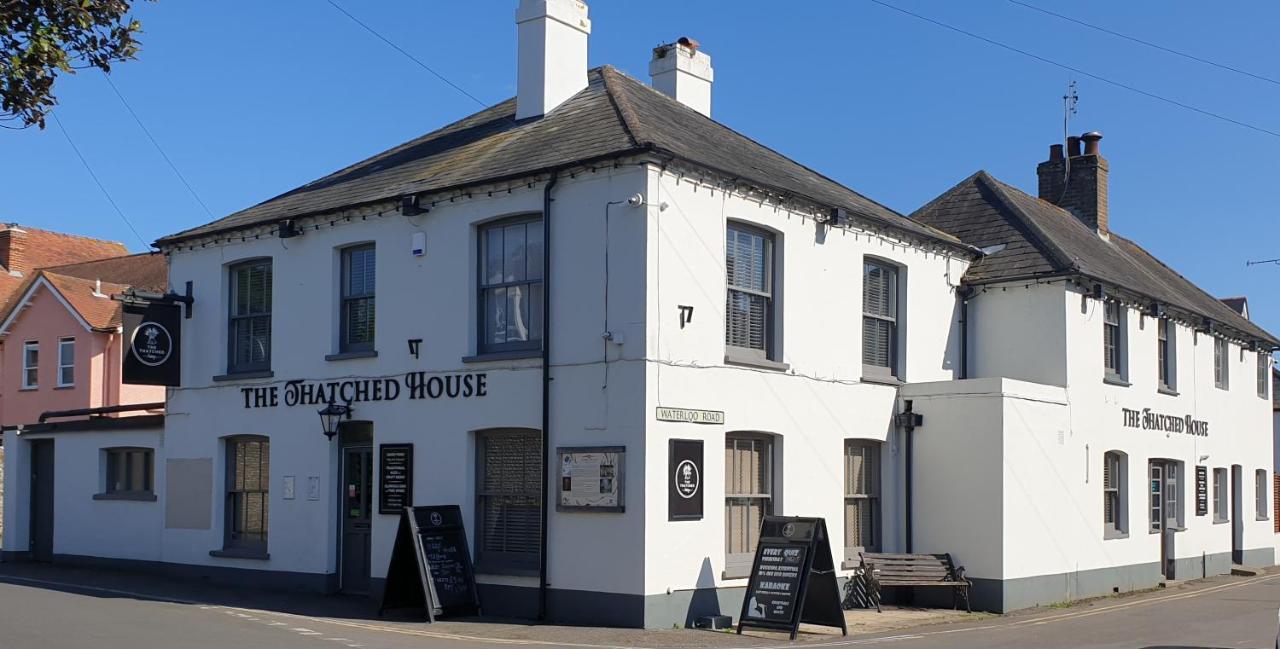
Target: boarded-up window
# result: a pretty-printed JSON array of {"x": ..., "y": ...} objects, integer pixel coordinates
[
  {"x": 749, "y": 298},
  {"x": 880, "y": 318},
  {"x": 248, "y": 492},
  {"x": 250, "y": 319},
  {"x": 748, "y": 490},
  {"x": 861, "y": 497},
  {"x": 508, "y": 494}
]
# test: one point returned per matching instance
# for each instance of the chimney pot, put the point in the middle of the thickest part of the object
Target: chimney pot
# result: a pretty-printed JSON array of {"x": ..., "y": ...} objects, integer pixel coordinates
[
  {"x": 682, "y": 72},
  {"x": 1055, "y": 153},
  {"x": 1073, "y": 146},
  {"x": 1091, "y": 142}
]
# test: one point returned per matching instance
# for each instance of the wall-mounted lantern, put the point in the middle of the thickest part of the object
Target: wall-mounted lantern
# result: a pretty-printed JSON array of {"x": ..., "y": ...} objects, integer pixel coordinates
[{"x": 331, "y": 417}]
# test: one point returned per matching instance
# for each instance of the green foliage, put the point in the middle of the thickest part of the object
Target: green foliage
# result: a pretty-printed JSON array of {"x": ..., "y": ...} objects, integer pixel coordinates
[{"x": 40, "y": 39}]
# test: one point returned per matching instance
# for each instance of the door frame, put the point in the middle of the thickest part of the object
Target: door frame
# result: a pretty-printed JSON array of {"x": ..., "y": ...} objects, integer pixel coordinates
[
  {"x": 1162, "y": 476},
  {"x": 33, "y": 539},
  {"x": 351, "y": 434},
  {"x": 1237, "y": 514}
]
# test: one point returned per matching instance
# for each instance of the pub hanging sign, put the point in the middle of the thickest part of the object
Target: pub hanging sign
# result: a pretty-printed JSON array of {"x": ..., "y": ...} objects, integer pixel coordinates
[{"x": 152, "y": 333}]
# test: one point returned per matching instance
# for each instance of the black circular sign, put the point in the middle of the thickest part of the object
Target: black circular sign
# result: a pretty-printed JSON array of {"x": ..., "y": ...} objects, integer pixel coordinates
[
  {"x": 688, "y": 481},
  {"x": 151, "y": 343}
]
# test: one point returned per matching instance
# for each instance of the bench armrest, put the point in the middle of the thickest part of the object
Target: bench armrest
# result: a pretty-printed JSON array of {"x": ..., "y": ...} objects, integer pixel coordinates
[{"x": 960, "y": 575}]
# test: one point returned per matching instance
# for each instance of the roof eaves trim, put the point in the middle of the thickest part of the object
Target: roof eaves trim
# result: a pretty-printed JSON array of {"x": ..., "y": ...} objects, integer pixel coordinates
[{"x": 19, "y": 306}]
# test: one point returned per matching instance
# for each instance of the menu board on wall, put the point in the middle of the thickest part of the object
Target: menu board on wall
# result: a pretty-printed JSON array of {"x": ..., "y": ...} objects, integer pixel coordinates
[
  {"x": 1202, "y": 490},
  {"x": 395, "y": 479},
  {"x": 591, "y": 478}
]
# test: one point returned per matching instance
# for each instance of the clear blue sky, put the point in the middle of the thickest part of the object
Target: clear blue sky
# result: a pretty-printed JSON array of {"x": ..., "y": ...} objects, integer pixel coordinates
[{"x": 251, "y": 99}]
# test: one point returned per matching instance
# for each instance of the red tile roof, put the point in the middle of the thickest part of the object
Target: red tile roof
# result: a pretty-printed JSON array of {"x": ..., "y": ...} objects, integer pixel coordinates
[
  {"x": 46, "y": 248},
  {"x": 97, "y": 309},
  {"x": 79, "y": 285}
]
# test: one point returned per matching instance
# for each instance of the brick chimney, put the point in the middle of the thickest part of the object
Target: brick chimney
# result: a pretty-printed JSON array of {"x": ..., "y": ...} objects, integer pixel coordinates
[
  {"x": 13, "y": 249},
  {"x": 682, "y": 72},
  {"x": 1077, "y": 181}
]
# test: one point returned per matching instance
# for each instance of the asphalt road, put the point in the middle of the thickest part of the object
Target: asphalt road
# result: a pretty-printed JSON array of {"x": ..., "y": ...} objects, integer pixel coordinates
[{"x": 65, "y": 611}]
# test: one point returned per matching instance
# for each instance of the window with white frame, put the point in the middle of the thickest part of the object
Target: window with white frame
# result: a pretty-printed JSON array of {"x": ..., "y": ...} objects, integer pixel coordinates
[
  {"x": 1167, "y": 366},
  {"x": 1221, "y": 364},
  {"x": 1166, "y": 504},
  {"x": 1219, "y": 495},
  {"x": 749, "y": 295},
  {"x": 748, "y": 497},
  {"x": 508, "y": 496},
  {"x": 1115, "y": 490},
  {"x": 879, "y": 318},
  {"x": 129, "y": 471},
  {"x": 1260, "y": 494},
  {"x": 861, "y": 497},
  {"x": 66, "y": 362},
  {"x": 30, "y": 365},
  {"x": 248, "y": 493},
  {"x": 1113, "y": 352},
  {"x": 1264, "y": 373},
  {"x": 357, "y": 298},
  {"x": 249, "y": 330},
  {"x": 511, "y": 258}
]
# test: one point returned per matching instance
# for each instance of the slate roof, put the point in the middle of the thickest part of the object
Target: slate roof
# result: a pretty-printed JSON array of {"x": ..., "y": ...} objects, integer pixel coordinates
[
  {"x": 614, "y": 116},
  {"x": 1041, "y": 239},
  {"x": 1238, "y": 304},
  {"x": 78, "y": 285}
]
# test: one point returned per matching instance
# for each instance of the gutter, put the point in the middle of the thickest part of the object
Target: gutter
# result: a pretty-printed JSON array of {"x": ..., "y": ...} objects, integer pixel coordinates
[
  {"x": 102, "y": 410},
  {"x": 546, "y": 393}
]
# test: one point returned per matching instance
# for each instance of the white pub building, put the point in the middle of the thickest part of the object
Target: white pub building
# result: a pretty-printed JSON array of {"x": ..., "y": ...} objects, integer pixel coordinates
[{"x": 616, "y": 333}]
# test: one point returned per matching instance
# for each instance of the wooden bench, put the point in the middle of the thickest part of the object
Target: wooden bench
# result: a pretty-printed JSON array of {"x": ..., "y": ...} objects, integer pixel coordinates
[{"x": 881, "y": 569}]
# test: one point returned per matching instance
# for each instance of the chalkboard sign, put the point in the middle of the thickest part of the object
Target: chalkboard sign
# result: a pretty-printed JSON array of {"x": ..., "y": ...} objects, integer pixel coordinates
[
  {"x": 1202, "y": 490},
  {"x": 793, "y": 578},
  {"x": 395, "y": 482},
  {"x": 431, "y": 565}
]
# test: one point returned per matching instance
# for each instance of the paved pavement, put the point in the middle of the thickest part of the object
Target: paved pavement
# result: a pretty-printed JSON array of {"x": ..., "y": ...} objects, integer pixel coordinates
[{"x": 55, "y": 608}]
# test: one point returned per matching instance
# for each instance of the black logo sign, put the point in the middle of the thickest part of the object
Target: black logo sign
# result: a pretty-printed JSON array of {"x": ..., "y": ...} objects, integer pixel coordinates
[
  {"x": 152, "y": 333},
  {"x": 684, "y": 491}
]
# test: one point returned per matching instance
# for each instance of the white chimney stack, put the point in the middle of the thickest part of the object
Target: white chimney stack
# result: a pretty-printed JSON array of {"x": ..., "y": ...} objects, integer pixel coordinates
[
  {"x": 683, "y": 73},
  {"x": 552, "y": 53}
]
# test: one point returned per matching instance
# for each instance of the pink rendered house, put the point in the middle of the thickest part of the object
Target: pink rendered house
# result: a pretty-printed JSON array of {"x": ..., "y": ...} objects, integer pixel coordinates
[{"x": 61, "y": 338}]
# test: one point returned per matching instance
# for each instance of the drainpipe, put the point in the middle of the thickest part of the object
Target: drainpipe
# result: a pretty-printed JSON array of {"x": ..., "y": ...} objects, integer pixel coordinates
[
  {"x": 908, "y": 420},
  {"x": 546, "y": 392},
  {"x": 964, "y": 293}
]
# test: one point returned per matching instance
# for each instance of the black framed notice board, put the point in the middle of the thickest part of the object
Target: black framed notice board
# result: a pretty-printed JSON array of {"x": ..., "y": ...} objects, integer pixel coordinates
[
  {"x": 430, "y": 564},
  {"x": 793, "y": 578},
  {"x": 395, "y": 478},
  {"x": 684, "y": 480}
]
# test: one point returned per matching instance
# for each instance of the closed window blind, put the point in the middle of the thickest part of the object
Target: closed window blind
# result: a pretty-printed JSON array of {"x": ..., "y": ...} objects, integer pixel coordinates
[
  {"x": 1113, "y": 493},
  {"x": 748, "y": 463},
  {"x": 1163, "y": 353},
  {"x": 749, "y": 299},
  {"x": 1219, "y": 495},
  {"x": 1260, "y": 493},
  {"x": 1111, "y": 343},
  {"x": 861, "y": 497},
  {"x": 879, "y": 316},
  {"x": 511, "y": 285},
  {"x": 508, "y": 494},
  {"x": 1264, "y": 372},
  {"x": 359, "y": 277},
  {"x": 1221, "y": 373},
  {"x": 250, "y": 321}
]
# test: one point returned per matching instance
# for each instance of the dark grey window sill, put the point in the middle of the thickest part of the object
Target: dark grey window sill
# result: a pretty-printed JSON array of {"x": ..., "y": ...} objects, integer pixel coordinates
[
  {"x": 240, "y": 553},
  {"x": 503, "y": 356},
  {"x": 140, "y": 496},
  {"x": 1167, "y": 390},
  {"x": 1221, "y": 386},
  {"x": 29, "y": 389},
  {"x": 65, "y": 387},
  {"x": 752, "y": 358},
  {"x": 1115, "y": 380},
  {"x": 1112, "y": 534},
  {"x": 244, "y": 376},
  {"x": 498, "y": 571},
  {"x": 342, "y": 356},
  {"x": 881, "y": 379},
  {"x": 1219, "y": 521}
]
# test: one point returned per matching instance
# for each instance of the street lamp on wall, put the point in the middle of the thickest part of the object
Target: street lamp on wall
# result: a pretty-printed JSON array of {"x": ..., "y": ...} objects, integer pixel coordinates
[{"x": 331, "y": 417}]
